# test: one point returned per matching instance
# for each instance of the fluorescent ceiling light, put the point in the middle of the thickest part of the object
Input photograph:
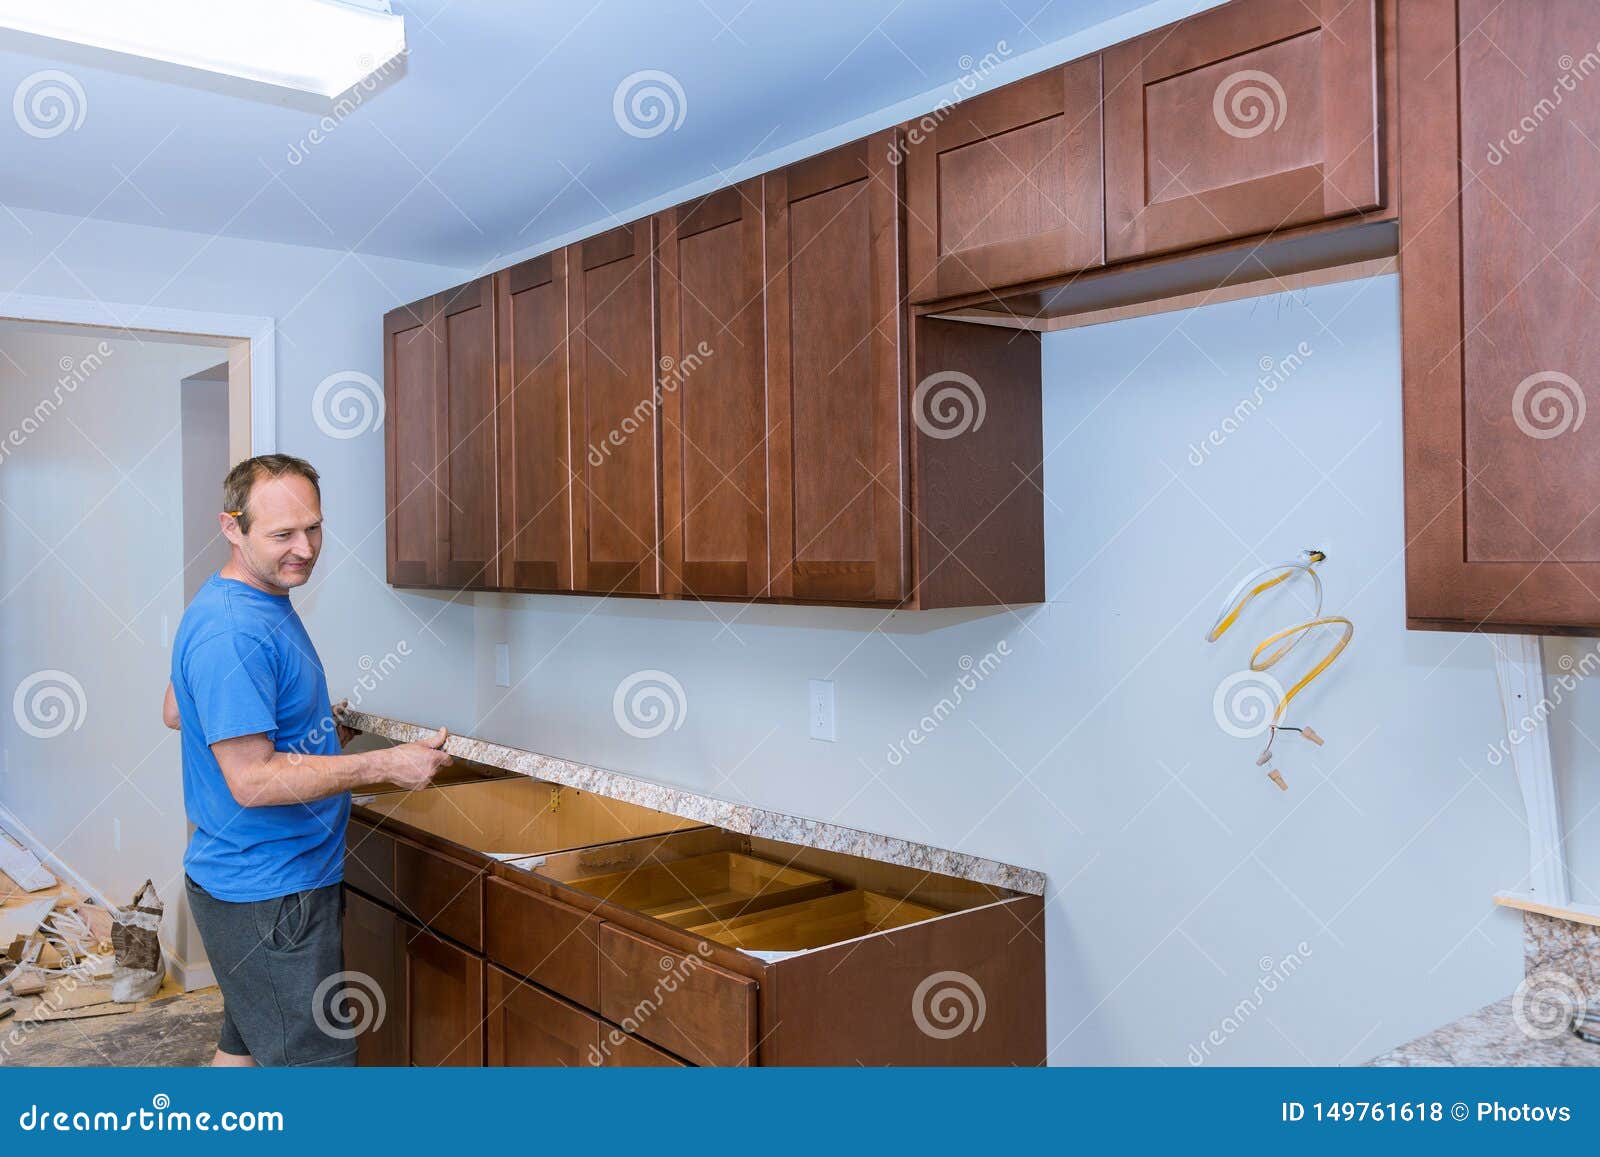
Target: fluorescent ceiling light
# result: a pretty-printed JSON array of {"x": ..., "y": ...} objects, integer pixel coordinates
[{"x": 320, "y": 46}]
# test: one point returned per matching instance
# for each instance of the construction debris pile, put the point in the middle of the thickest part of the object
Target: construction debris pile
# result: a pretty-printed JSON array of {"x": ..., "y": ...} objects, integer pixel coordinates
[{"x": 56, "y": 953}]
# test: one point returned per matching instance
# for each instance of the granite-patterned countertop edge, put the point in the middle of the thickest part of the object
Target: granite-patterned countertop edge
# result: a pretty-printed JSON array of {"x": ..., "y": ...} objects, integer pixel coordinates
[{"x": 685, "y": 804}]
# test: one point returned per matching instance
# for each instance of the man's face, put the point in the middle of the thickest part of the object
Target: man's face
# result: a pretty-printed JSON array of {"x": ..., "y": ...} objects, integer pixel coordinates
[{"x": 285, "y": 535}]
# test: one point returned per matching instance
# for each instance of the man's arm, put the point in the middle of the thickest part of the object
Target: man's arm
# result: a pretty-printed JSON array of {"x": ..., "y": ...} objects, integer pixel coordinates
[
  {"x": 259, "y": 776},
  {"x": 169, "y": 710}
]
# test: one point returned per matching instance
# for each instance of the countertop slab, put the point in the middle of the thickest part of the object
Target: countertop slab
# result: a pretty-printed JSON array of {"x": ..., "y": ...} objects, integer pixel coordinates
[
  {"x": 745, "y": 819},
  {"x": 1491, "y": 1037}
]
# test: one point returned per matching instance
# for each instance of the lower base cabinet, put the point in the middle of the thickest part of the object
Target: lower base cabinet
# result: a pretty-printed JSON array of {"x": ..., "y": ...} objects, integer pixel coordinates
[
  {"x": 443, "y": 1002},
  {"x": 603, "y": 934}
]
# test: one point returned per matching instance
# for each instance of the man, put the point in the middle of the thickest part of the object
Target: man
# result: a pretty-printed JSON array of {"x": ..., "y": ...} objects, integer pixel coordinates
[{"x": 264, "y": 782}]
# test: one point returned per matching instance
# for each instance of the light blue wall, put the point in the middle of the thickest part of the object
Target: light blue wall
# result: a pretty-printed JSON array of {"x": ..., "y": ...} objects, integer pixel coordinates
[{"x": 1177, "y": 872}]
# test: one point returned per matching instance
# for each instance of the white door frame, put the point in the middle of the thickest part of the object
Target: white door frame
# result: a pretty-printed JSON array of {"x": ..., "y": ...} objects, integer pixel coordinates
[
  {"x": 262, "y": 335},
  {"x": 260, "y": 332}
]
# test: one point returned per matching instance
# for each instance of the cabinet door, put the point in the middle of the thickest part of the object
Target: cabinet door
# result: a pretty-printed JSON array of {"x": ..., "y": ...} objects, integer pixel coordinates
[
  {"x": 411, "y": 408},
  {"x": 528, "y": 1026},
  {"x": 1244, "y": 119},
  {"x": 616, "y": 503},
  {"x": 1006, "y": 187},
  {"x": 443, "y": 1001},
  {"x": 1497, "y": 291},
  {"x": 374, "y": 947},
  {"x": 713, "y": 396},
  {"x": 465, "y": 484},
  {"x": 535, "y": 435},
  {"x": 836, "y": 341}
]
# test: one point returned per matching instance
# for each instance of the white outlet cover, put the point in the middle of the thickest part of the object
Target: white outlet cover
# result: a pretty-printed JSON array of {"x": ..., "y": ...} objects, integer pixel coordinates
[{"x": 822, "y": 722}]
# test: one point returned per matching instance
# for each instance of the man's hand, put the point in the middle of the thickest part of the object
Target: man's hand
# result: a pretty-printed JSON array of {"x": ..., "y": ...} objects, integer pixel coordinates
[
  {"x": 169, "y": 710},
  {"x": 346, "y": 734},
  {"x": 413, "y": 765}
]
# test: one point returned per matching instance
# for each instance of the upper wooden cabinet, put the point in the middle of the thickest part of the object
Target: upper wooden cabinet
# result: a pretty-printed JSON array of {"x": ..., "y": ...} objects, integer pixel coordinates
[
  {"x": 534, "y": 425},
  {"x": 1498, "y": 282},
  {"x": 713, "y": 395},
  {"x": 411, "y": 409},
  {"x": 836, "y": 376},
  {"x": 1006, "y": 188},
  {"x": 464, "y": 486},
  {"x": 439, "y": 405},
  {"x": 1244, "y": 119},
  {"x": 615, "y": 432}
]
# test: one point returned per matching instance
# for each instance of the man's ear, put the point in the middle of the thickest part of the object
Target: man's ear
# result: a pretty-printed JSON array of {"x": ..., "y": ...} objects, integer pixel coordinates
[{"x": 229, "y": 527}]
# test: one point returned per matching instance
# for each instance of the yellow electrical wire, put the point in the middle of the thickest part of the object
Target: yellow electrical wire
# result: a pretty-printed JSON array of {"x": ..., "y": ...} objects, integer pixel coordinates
[{"x": 1266, "y": 654}]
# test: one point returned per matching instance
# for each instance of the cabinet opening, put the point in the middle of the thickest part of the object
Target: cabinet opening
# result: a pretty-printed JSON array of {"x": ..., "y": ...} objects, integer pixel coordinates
[
  {"x": 762, "y": 895},
  {"x": 518, "y": 816},
  {"x": 710, "y": 887},
  {"x": 817, "y": 922}
]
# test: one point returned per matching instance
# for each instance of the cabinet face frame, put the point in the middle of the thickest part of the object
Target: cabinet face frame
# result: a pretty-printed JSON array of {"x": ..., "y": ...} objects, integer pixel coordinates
[
  {"x": 546, "y": 276},
  {"x": 633, "y": 248},
  {"x": 452, "y": 571},
  {"x": 869, "y": 169},
  {"x": 1059, "y": 112},
  {"x": 1245, "y": 110},
  {"x": 732, "y": 356},
  {"x": 411, "y": 326}
]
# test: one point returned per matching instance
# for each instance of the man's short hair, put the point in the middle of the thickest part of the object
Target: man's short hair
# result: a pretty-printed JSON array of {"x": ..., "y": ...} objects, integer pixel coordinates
[{"x": 237, "y": 485}]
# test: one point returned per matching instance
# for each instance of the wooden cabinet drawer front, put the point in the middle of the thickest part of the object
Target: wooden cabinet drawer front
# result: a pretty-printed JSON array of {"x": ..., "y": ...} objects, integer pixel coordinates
[
  {"x": 544, "y": 940},
  {"x": 528, "y": 1026},
  {"x": 441, "y": 893},
  {"x": 701, "y": 1012},
  {"x": 1007, "y": 188},
  {"x": 443, "y": 1002},
  {"x": 621, "y": 1051},
  {"x": 1247, "y": 118},
  {"x": 369, "y": 861}
]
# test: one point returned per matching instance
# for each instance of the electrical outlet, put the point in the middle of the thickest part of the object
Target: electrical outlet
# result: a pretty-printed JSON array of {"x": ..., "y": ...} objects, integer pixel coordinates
[
  {"x": 502, "y": 664},
  {"x": 822, "y": 722}
]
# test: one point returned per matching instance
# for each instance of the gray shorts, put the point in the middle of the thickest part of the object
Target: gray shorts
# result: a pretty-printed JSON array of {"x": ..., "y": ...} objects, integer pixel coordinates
[{"x": 273, "y": 960}]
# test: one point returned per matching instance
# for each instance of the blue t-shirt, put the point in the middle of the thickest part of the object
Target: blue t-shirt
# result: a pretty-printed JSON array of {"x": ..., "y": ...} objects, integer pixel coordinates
[{"x": 242, "y": 664}]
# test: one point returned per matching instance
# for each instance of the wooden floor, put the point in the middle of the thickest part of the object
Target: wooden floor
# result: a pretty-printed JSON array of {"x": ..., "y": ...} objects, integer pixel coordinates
[{"x": 174, "y": 1028}]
